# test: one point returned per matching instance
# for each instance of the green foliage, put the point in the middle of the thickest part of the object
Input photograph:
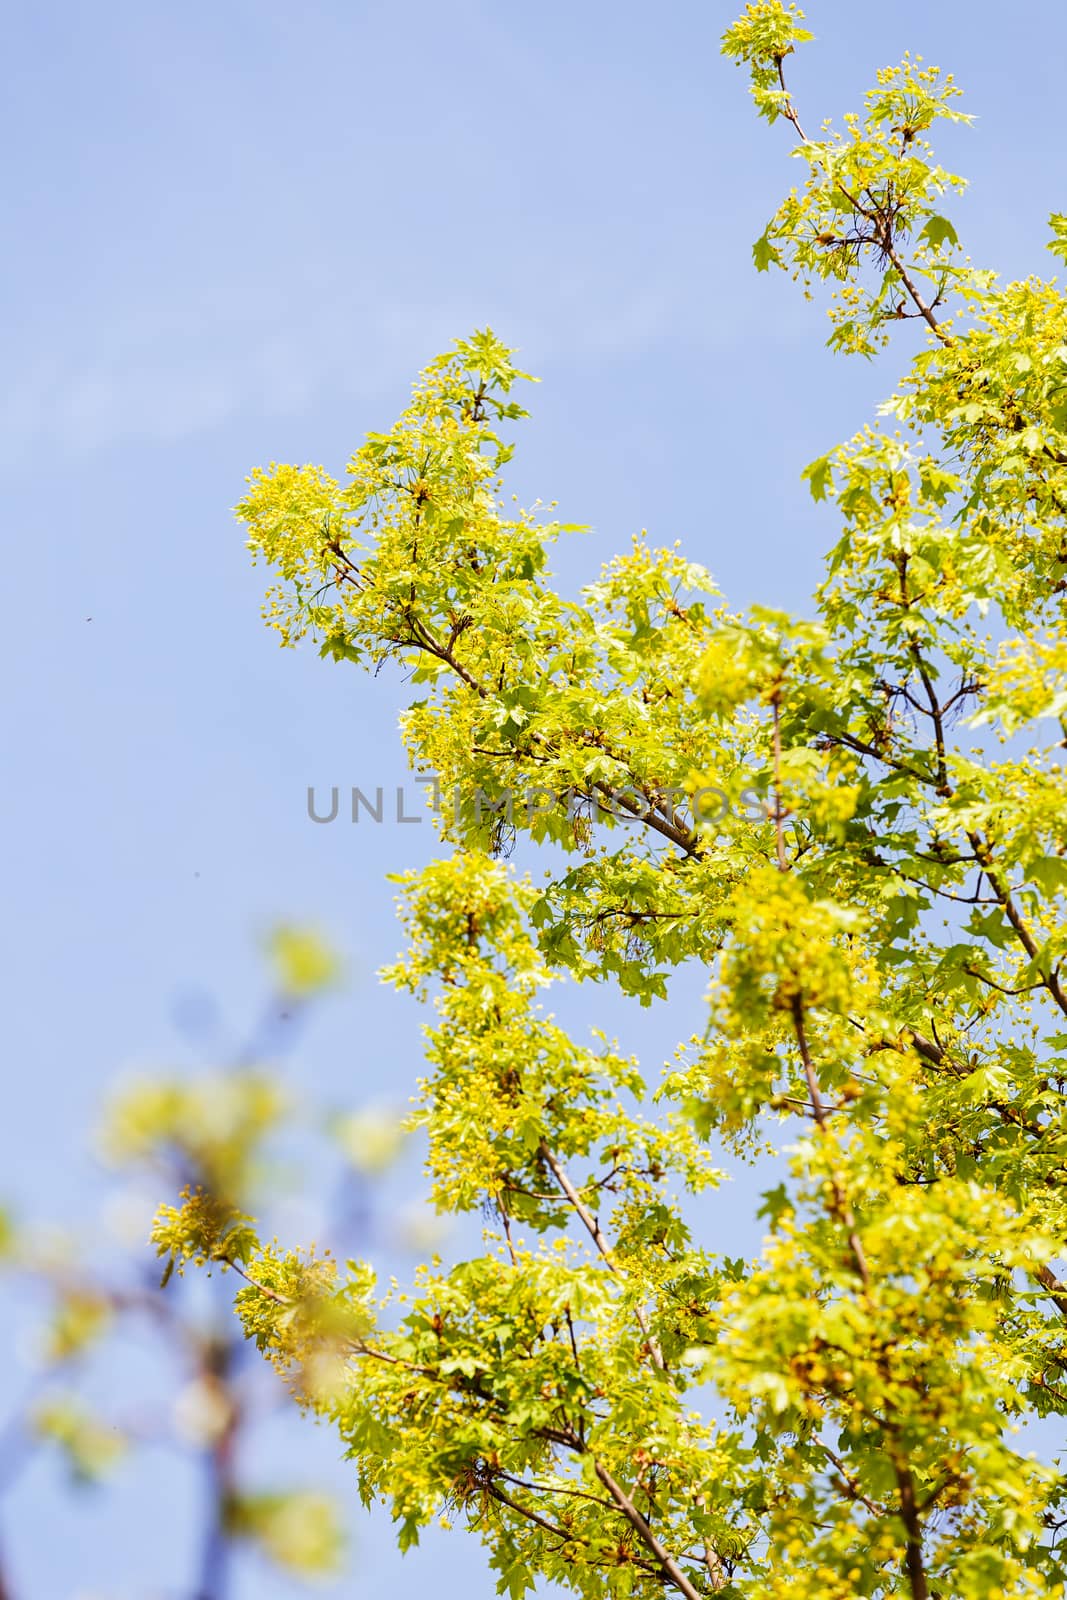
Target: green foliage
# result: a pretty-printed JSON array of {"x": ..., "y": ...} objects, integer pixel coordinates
[
  {"x": 762, "y": 39},
  {"x": 606, "y": 1402},
  {"x": 868, "y": 219},
  {"x": 202, "y": 1229}
]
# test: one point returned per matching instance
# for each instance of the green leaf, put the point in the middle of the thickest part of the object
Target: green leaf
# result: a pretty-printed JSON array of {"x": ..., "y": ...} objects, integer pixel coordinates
[
  {"x": 765, "y": 254},
  {"x": 939, "y": 231},
  {"x": 819, "y": 477}
]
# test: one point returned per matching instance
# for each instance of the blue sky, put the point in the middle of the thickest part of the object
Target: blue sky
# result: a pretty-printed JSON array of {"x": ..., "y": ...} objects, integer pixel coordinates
[{"x": 234, "y": 233}]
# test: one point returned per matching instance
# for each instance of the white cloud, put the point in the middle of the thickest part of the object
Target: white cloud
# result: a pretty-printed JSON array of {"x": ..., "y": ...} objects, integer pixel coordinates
[{"x": 160, "y": 375}]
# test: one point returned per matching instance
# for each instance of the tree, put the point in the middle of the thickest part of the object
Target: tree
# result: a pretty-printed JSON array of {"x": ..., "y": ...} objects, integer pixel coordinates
[{"x": 609, "y": 1405}]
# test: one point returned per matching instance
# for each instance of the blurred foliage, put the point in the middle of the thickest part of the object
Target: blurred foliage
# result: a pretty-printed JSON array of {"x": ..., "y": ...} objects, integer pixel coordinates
[
  {"x": 299, "y": 1532},
  {"x": 215, "y": 1136}
]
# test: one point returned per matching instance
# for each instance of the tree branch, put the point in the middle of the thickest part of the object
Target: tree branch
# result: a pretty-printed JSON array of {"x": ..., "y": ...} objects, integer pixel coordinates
[
  {"x": 592, "y": 1227},
  {"x": 644, "y": 1532}
]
